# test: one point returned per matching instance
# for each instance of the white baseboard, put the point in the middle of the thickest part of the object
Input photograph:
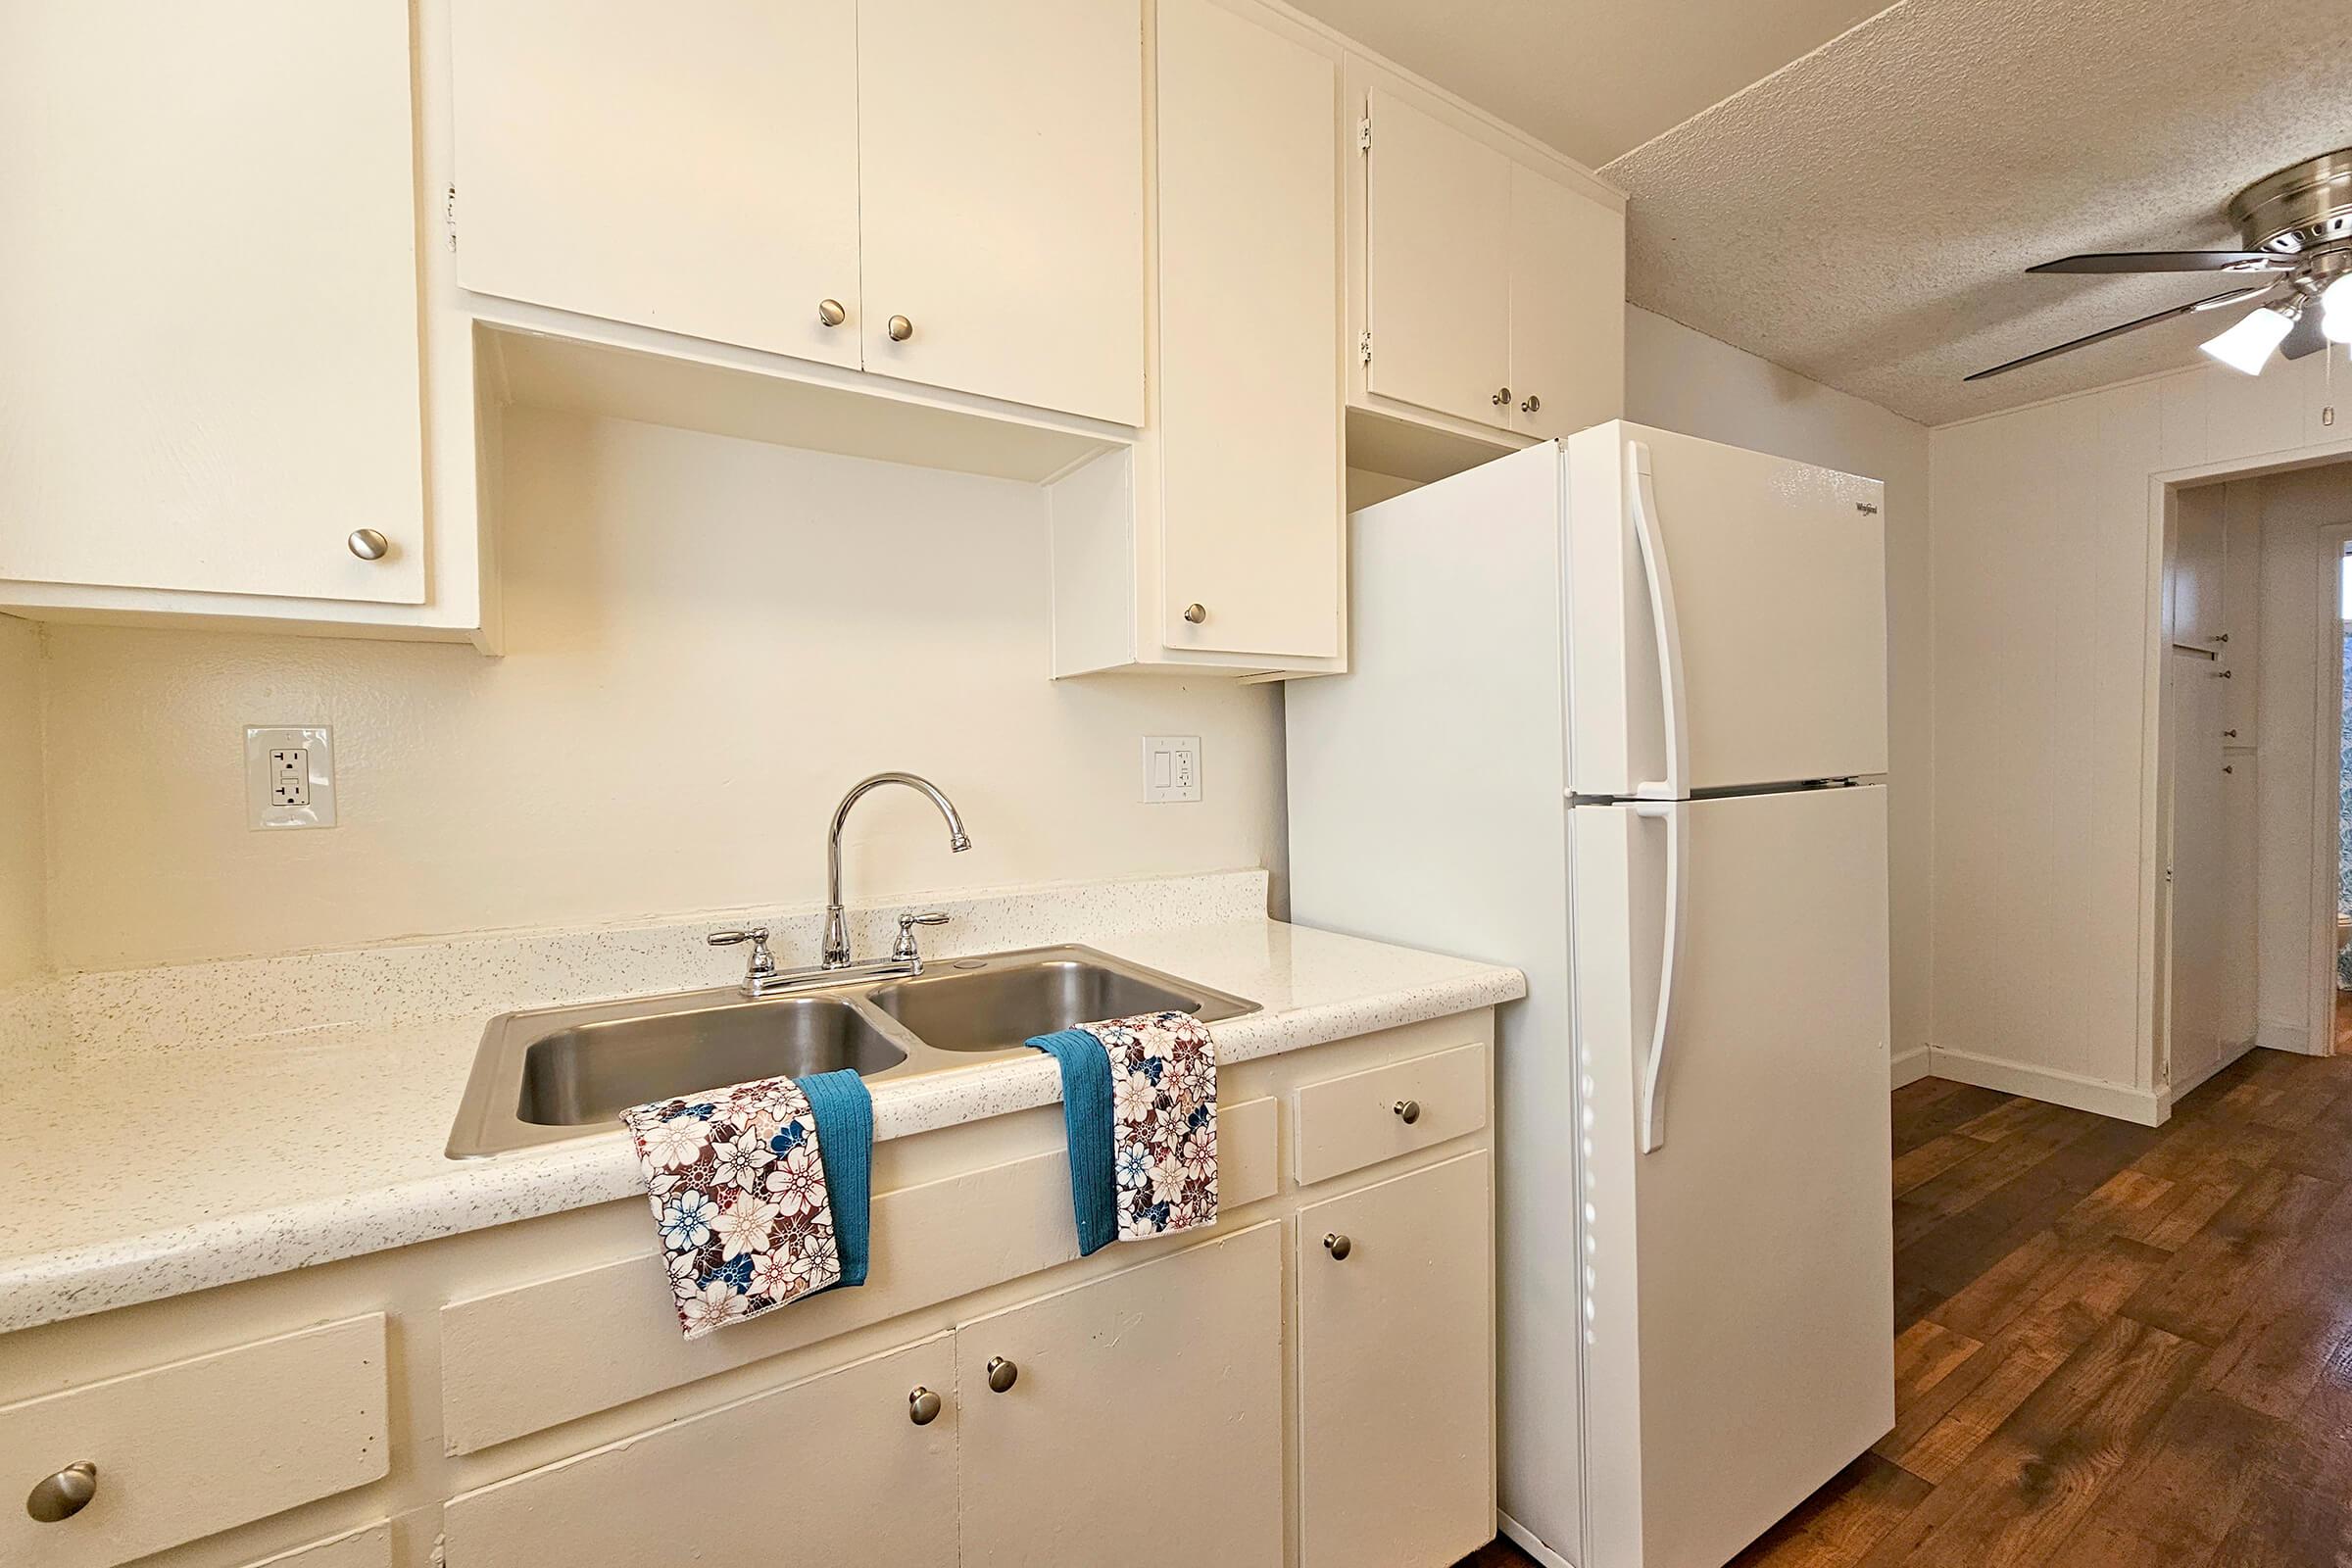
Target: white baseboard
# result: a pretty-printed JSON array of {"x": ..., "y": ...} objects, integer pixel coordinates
[
  {"x": 1529, "y": 1542},
  {"x": 2146, "y": 1107},
  {"x": 2188, "y": 1084},
  {"x": 2290, "y": 1037},
  {"x": 1909, "y": 1066}
]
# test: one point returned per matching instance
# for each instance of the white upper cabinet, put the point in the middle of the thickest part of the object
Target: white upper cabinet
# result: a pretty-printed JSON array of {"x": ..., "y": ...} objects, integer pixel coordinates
[
  {"x": 1249, "y": 392},
  {"x": 1002, "y": 168},
  {"x": 1436, "y": 264},
  {"x": 693, "y": 169},
  {"x": 1485, "y": 276},
  {"x": 1567, "y": 308},
  {"x": 942, "y": 193},
  {"x": 209, "y": 300}
]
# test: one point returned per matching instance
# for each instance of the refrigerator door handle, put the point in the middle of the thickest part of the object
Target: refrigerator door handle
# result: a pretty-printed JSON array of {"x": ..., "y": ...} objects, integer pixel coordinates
[
  {"x": 1675, "y": 815},
  {"x": 1664, "y": 623}
]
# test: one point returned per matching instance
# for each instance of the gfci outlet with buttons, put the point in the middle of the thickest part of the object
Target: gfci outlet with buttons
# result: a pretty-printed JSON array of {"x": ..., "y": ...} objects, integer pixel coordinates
[
  {"x": 289, "y": 776},
  {"x": 1172, "y": 768}
]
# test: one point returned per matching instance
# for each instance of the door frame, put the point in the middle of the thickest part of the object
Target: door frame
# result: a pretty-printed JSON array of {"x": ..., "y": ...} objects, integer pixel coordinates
[{"x": 2330, "y": 541}]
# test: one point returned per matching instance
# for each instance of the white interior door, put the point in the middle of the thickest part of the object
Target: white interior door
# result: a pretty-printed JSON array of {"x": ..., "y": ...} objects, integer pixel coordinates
[
  {"x": 693, "y": 168},
  {"x": 208, "y": 370},
  {"x": 1741, "y": 1268},
  {"x": 1437, "y": 266},
  {"x": 1729, "y": 612},
  {"x": 1000, "y": 165}
]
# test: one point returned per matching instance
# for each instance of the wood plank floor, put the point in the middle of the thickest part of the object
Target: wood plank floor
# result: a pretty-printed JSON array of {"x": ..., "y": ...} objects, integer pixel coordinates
[{"x": 2114, "y": 1346}]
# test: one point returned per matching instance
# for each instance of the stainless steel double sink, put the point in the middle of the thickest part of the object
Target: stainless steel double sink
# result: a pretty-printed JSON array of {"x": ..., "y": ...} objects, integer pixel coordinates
[{"x": 554, "y": 1073}]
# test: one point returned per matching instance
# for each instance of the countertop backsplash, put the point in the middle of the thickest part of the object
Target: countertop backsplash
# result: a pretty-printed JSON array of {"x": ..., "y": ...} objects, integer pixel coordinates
[{"x": 178, "y": 1005}]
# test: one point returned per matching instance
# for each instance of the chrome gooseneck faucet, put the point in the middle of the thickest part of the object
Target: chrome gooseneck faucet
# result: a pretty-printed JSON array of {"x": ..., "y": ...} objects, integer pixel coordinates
[{"x": 836, "y": 955}]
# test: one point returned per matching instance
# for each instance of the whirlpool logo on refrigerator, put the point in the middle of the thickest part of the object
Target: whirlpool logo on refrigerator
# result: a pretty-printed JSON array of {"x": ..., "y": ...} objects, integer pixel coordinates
[{"x": 1866, "y": 509}]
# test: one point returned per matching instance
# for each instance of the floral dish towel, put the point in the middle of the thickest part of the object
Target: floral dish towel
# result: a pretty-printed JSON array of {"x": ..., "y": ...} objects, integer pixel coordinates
[
  {"x": 1140, "y": 1107},
  {"x": 739, "y": 1190}
]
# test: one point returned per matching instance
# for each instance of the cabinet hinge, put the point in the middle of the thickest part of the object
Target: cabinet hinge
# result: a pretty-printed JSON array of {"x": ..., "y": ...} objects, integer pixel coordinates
[
  {"x": 1363, "y": 346},
  {"x": 449, "y": 215},
  {"x": 1363, "y": 134}
]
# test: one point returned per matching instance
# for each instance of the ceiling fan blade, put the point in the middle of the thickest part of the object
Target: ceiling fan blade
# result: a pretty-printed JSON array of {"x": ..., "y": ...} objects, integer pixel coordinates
[
  {"x": 2305, "y": 338},
  {"x": 2170, "y": 262},
  {"x": 2211, "y": 301}
]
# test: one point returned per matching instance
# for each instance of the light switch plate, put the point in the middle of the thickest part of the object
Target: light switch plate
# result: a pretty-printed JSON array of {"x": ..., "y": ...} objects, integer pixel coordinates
[
  {"x": 289, "y": 776},
  {"x": 1172, "y": 768}
]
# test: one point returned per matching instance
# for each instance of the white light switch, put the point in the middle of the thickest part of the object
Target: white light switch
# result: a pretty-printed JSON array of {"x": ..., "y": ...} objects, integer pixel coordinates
[
  {"x": 1172, "y": 768},
  {"x": 289, "y": 776}
]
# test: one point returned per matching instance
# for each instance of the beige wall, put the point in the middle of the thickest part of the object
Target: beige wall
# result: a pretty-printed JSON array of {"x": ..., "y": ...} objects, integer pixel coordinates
[
  {"x": 1678, "y": 379},
  {"x": 708, "y": 639},
  {"x": 23, "y": 937},
  {"x": 2295, "y": 747}
]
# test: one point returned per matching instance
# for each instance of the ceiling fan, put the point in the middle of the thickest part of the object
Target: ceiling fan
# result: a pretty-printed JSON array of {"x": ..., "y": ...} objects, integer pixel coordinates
[{"x": 2296, "y": 229}]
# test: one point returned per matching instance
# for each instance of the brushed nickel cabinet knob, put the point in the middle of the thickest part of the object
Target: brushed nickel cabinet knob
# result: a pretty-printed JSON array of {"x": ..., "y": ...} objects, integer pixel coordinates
[
  {"x": 830, "y": 312},
  {"x": 1503, "y": 395},
  {"x": 1408, "y": 1111},
  {"x": 1195, "y": 614},
  {"x": 368, "y": 544},
  {"x": 1338, "y": 1245},
  {"x": 901, "y": 329},
  {"x": 63, "y": 1494},
  {"x": 1532, "y": 404},
  {"x": 1003, "y": 1374},
  {"x": 923, "y": 1407}
]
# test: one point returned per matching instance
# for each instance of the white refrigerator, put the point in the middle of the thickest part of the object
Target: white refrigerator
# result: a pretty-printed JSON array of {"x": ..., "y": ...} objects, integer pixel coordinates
[{"x": 1616, "y": 713}]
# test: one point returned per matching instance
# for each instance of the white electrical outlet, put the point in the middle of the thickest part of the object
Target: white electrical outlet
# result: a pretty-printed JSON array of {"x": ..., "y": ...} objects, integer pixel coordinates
[
  {"x": 289, "y": 776},
  {"x": 1172, "y": 768}
]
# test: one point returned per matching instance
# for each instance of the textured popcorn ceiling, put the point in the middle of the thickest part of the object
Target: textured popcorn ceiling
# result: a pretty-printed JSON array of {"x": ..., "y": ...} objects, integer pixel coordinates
[
  {"x": 1591, "y": 78},
  {"x": 1864, "y": 214}
]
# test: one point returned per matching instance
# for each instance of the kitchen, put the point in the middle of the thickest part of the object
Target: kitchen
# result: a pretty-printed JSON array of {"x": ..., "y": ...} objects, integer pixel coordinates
[{"x": 536, "y": 517}]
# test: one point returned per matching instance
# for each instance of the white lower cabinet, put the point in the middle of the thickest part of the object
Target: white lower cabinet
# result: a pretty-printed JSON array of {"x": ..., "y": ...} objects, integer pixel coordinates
[
  {"x": 1140, "y": 1417},
  {"x": 1396, "y": 1370},
  {"x": 852, "y": 1465},
  {"x": 370, "y": 1547}
]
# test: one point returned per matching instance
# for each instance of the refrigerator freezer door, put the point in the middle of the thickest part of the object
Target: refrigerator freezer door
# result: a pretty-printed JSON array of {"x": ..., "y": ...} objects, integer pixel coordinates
[
  {"x": 1726, "y": 613},
  {"x": 1740, "y": 1276}
]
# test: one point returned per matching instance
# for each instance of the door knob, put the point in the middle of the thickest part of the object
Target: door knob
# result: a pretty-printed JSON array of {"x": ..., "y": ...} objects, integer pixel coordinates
[
  {"x": 1503, "y": 395},
  {"x": 64, "y": 1495},
  {"x": 830, "y": 312},
  {"x": 1002, "y": 1374},
  {"x": 368, "y": 544},
  {"x": 1532, "y": 404},
  {"x": 1408, "y": 1111},
  {"x": 1195, "y": 614},
  {"x": 1338, "y": 1245},
  {"x": 901, "y": 329}
]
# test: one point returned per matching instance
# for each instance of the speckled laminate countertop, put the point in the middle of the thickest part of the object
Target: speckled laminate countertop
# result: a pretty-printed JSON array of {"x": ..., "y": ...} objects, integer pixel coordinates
[{"x": 131, "y": 1179}]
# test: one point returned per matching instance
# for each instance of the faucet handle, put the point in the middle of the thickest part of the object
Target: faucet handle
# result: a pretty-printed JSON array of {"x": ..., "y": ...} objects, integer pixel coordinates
[
  {"x": 903, "y": 951},
  {"x": 763, "y": 963}
]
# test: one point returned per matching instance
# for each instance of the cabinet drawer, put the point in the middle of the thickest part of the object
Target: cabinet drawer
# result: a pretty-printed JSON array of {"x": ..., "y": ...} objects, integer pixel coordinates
[
  {"x": 504, "y": 1375},
  {"x": 202, "y": 1445},
  {"x": 1347, "y": 1123}
]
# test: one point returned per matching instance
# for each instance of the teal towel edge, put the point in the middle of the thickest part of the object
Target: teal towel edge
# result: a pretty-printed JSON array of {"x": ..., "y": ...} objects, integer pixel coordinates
[
  {"x": 844, "y": 1110},
  {"x": 1086, "y": 1123}
]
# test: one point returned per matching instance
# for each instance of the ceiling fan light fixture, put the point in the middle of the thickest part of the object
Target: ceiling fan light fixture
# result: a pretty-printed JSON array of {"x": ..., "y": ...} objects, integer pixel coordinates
[
  {"x": 2248, "y": 343},
  {"x": 2335, "y": 310}
]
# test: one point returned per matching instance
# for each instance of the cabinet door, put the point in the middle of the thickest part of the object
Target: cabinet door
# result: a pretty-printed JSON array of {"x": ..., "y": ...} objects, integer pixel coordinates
[
  {"x": 1567, "y": 308},
  {"x": 1396, "y": 1370},
  {"x": 2193, "y": 587},
  {"x": 1142, "y": 1424},
  {"x": 1249, "y": 386},
  {"x": 208, "y": 297},
  {"x": 2241, "y": 834},
  {"x": 2242, "y": 612},
  {"x": 2198, "y": 849},
  {"x": 832, "y": 1469},
  {"x": 1001, "y": 176},
  {"x": 693, "y": 168},
  {"x": 1437, "y": 266}
]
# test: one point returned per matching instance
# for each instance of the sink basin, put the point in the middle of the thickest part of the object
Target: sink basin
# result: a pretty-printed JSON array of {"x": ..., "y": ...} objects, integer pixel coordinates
[
  {"x": 995, "y": 1003},
  {"x": 590, "y": 1073},
  {"x": 553, "y": 1073}
]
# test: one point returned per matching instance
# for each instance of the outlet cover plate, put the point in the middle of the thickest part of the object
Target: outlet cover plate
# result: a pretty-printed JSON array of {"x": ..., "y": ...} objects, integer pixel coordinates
[
  {"x": 1171, "y": 768},
  {"x": 290, "y": 775}
]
